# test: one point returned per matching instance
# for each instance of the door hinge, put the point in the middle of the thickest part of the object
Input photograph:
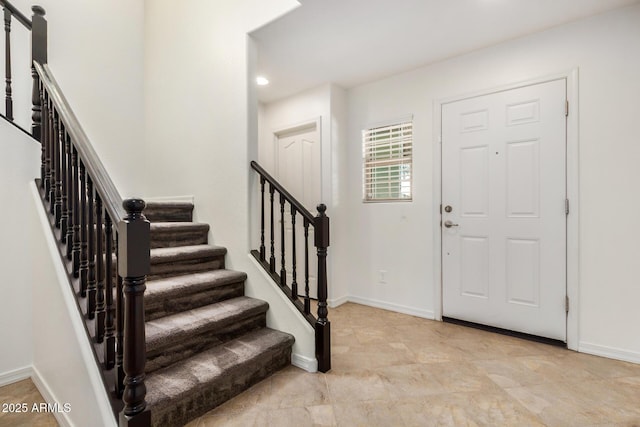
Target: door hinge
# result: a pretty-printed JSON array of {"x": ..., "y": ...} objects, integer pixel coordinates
[
  {"x": 566, "y": 206},
  {"x": 440, "y": 209},
  {"x": 566, "y": 108},
  {"x": 566, "y": 303}
]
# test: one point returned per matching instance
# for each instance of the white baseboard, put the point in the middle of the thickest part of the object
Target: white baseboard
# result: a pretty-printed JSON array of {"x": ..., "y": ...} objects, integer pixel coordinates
[
  {"x": 609, "y": 352},
  {"x": 304, "y": 362},
  {"x": 427, "y": 314},
  {"x": 336, "y": 302},
  {"x": 186, "y": 199},
  {"x": 43, "y": 387},
  {"x": 16, "y": 375}
]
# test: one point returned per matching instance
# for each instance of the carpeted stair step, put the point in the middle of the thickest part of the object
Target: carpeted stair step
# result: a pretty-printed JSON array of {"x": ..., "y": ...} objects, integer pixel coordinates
[
  {"x": 183, "y": 391},
  {"x": 169, "y": 211},
  {"x": 167, "y": 262},
  {"x": 171, "y": 295},
  {"x": 174, "y": 338},
  {"x": 172, "y": 234}
]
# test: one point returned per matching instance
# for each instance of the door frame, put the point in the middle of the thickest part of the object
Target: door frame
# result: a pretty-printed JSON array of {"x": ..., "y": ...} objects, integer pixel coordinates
[
  {"x": 280, "y": 131},
  {"x": 572, "y": 188}
]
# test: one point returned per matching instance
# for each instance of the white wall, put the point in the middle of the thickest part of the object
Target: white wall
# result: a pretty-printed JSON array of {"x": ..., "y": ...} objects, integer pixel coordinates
[
  {"x": 96, "y": 53},
  {"x": 19, "y": 165},
  {"x": 605, "y": 48},
  {"x": 64, "y": 368}
]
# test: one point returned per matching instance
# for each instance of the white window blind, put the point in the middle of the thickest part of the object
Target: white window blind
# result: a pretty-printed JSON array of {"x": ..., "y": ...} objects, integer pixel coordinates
[{"x": 387, "y": 153}]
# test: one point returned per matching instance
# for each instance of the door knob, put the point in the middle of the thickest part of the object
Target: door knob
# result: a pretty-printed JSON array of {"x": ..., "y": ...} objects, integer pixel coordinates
[{"x": 449, "y": 224}]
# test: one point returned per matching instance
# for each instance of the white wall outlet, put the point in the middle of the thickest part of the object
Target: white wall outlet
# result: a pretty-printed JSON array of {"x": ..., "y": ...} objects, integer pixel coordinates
[{"x": 382, "y": 276}]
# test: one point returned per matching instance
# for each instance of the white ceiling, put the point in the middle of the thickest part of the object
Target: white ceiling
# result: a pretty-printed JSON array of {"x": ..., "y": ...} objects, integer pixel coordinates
[{"x": 350, "y": 42}]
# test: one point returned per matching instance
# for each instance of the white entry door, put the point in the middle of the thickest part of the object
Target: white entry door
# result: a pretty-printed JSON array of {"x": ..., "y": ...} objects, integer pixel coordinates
[
  {"x": 503, "y": 209},
  {"x": 298, "y": 170}
]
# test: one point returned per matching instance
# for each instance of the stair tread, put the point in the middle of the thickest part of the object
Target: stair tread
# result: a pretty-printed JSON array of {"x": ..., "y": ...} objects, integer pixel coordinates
[
  {"x": 175, "y": 226},
  {"x": 191, "y": 283},
  {"x": 170, "y": 254},
  {"x": 169, "y": 330},
  {"x": 209, "y": 367}
]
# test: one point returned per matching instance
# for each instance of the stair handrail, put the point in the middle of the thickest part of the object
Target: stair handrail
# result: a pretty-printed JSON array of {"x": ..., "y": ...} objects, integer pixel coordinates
[
  {"x": 16, "y": 13},
  {"x": 102, "y": 181},
  {"x": 320, "y": 224},
  {"x": 85, "y": 206},
  {"x": 280, "y": 189}
]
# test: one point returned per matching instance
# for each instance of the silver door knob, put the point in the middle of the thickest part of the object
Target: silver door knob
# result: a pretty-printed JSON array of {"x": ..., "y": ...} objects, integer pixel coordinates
[{"x": 449, "y": 224}]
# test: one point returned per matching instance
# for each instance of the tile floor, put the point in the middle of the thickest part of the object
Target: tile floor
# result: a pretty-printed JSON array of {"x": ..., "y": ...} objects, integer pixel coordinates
[
  {"x": 23, "y": 392},
  {"x": 391, "y": 370}
]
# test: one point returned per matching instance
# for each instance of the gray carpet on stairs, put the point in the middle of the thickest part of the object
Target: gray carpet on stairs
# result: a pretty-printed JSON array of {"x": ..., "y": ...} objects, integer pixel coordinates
[{"x": 206, "y": 341}]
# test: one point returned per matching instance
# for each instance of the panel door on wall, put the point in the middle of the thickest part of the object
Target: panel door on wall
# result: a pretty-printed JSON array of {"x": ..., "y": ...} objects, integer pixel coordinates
[
  {"x": 504, "y": 218},
  {"x": 298, "y": 170}
]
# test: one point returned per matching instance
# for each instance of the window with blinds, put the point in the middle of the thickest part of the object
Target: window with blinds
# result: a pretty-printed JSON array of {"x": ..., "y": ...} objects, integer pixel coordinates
[{"x": 387, "y": 154}]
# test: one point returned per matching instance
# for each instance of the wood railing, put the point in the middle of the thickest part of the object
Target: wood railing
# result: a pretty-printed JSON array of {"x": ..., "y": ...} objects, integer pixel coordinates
[
  {"x": 277, "y": 265},
  {"x": 104, "y": 240}
]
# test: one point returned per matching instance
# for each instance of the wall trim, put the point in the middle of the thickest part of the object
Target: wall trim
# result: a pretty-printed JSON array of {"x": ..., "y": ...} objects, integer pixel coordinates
[
  {"x": 303, "y": 362},
  {"x": 15, "y": 375},
  {"x": 337, "y": 302},
  {"x": 78, "y": 329},
  {"x": 185, "y": 199},
  {"x": 45, "y": 390},
  {"x": 609, "y": 352},
  {"x": 412, "y": 311},
  {"x": 572, "y": 185}
]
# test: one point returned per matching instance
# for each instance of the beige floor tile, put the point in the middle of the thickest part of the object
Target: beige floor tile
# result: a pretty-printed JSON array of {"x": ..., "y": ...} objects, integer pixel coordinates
[
  {"x": 356, "y": 386},
  {"x": 24, "y": 392},
  {"x": 368, "y": 414},
  {"x": 298, "y": 389},
  {"x": 316, "y": 416},
  {"x": 411, "y": 381},
  {"x": 248, "y": 418}
]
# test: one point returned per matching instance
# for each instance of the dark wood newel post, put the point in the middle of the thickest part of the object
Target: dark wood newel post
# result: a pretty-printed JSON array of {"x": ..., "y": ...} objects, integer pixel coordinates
[
  {"x": 38, "y": 54},
  {"x": 133, "y": 266},
  {"x": 323, "y": 326}
]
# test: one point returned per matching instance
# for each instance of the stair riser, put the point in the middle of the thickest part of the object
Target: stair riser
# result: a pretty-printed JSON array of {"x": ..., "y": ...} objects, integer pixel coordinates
[
  {"x": 202, "y": 400},
  {"x": 168, "y": 214},
  {"x": 196, "y": 343},
  {"x": 188, "y": 266},
  {"x": 168, "y": 239},
  {"x": 157, "y": 309}
]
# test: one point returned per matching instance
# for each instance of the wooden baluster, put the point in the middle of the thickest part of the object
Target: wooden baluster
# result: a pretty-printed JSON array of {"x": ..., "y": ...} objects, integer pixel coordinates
[
  {"x": 100, "y": 254},
  {"x": 307, "y": 300},
  {"x": 262, "y": 248},
  {"x": 91, "y": 274},
  {"x": 294, "y": 283},
  {"x": 119, "y": 324},
  {"x": 57, "y": 149},
  {"x": 51, "y": 139},
  {"x": 272, "y": 259},
  {"x": 47, "y": 146},
  {"x": 43, "y": 150},
  {"x": 283, "y": 270},
  {"x": 84, "y": 259},
  {"x": 65, "y": 226},
  {"x": 7, "y": 64},
  {"x": 76, "y": 247},
  {"x": 322, "y": 326},
  {"x": 134, "y": 265},
  {"x": 109, "y": 338},
  {"x": 38, "y": 54}
]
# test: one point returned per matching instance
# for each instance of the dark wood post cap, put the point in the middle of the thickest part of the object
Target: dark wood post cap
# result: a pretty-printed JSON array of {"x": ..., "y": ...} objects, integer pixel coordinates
[
  {"x": 134, "y": 207},
  {"x": 38, "y": 10},
  {"x": 322, "y": 208}
]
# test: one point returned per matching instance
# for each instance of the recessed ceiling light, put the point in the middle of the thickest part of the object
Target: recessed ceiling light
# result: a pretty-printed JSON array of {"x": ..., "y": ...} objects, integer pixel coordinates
[{"x": 262, "y": 81}]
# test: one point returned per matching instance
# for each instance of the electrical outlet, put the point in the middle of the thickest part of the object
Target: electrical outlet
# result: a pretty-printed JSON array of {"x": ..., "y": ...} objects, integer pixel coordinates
[{"x": 382, "y": 276}]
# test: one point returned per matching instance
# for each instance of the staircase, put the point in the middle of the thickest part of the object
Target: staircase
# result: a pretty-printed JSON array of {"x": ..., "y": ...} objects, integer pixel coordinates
[{"x": 206, "y": 341}]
